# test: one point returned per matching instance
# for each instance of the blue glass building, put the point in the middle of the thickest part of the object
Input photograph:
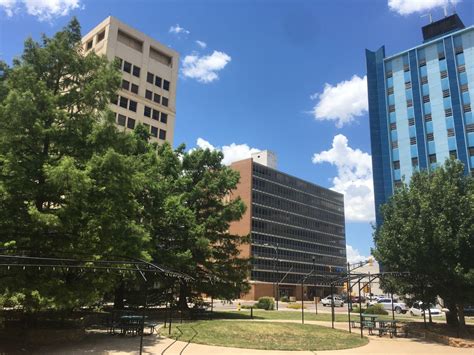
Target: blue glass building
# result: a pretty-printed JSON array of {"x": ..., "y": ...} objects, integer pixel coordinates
[{"x": 420, "y": 105}]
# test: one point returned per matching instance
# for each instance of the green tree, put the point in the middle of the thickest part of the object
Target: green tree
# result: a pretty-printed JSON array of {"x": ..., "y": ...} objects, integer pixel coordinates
[
  {"x": 68, "y": 183},
  {"x": 428, "y": 230}
]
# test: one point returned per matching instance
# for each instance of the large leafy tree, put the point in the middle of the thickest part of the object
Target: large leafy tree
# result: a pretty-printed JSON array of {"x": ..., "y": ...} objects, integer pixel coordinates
[
  {"x": 67, "y": 179},
  {"x": 428, "y": 230}
]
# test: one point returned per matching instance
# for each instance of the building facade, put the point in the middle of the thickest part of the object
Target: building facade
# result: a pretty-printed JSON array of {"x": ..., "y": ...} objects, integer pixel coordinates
[
  {"x": 295, "y": 227},
  {"x": 420, "y": 105},
  {"x": 149, "y": 75}
]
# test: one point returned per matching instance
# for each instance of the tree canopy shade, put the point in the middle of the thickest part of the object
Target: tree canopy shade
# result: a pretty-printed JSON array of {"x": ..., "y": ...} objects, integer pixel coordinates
[
  {"x": 71, "y": 183},
  {"x": 428, "y": 230}
]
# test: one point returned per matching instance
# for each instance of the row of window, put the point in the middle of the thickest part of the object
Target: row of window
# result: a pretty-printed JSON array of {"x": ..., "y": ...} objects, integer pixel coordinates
[
  {"x": 259, "y": 238},
  {"x": 129, "y": 122},
  {"x": 125, "y": 103},
  {"x": 294, "y": 220},
  {"x": 299, "y": 256},
  {"x": 155, "y": 114},
  {"x": 295, "y": 183},
  {"x": 296, "y": 207},
  {"x": 156, "y": 98},
  {"x": 283, "y": 231},
  {"x": 100, "y": 37},
  {"x": 293, "y": 194},
  {"x": 157, "y": 81},
  {"x": 129, "y": 67},
  {"x": 296, "y": 267}
]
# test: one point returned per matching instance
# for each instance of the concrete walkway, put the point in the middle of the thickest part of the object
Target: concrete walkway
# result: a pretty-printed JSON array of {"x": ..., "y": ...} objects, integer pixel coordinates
[{"x": 105, "y": 344}]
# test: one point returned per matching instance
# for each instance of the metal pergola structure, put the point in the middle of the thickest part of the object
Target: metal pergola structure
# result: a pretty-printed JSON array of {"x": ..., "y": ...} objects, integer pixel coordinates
[{"x": 22, "y": 259}]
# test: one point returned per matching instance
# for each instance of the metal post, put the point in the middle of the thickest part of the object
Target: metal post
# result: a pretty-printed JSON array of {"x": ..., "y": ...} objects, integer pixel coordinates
[
  {"x": 166, "y": 313},
  {"x": 332, "y": 305},
  {"x": 171, "y": 318},
  {"x": 143, "y": 316},
  {"x": 360, "y": 314},
  {"x": 393, "y": 314},
  {"x": 277, "y": 275},
  {"x": 302, "y": 302},
  {"x": 348, "y": 302},
  {"x": 212, "y": 306},
  {"x": 251, "y": 312},
  {"x": 316, "y": 304}
]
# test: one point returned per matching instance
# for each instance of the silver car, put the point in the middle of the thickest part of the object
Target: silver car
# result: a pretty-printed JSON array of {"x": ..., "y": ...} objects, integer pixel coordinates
[
  {"x": 398, "y": 307},
  {"x": 338, "y": 302}
]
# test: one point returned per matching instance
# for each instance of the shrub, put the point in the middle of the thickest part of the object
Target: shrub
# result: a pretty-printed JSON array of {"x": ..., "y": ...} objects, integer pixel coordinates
[
  {"x": 246, "y": 306},
  {"x": 295, "y": 306},
  {"x": 266, "y": 303},
  {"x": 284, "y": 299}
]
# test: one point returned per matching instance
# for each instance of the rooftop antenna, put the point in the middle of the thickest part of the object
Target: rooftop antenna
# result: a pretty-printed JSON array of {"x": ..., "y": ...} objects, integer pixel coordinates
[{"x": 429, "y": 15}]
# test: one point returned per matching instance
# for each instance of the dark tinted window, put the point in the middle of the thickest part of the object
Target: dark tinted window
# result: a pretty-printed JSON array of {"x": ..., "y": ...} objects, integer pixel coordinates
[
  {"x": 123, "y": 102},
  {"x": 158, "y": 81},
  {"x": 166, "y": 85},
  {"x": 127, "y": 67},
  {"x": 164, "y": 117},
  {"x": 125, "y": 84},
  {"x": 121, "y": 119},
  {"x": 131, "y": 123},
  {"x": 150, "y": 77},
  {"x": 148, "y": 94},
  {"x": 132, "y": 106},
  {"x": 164, "y": 101},
  {"x": 134, "y": 89},
  {"x": 136, "y": 71},
  {"x": 156, "y": 98},
  {"x": 147, "y": 111},
  {"x": 162, "y": 134},
  {"x": 156, "y": 115},
  {"x": 154, "y": 131}
]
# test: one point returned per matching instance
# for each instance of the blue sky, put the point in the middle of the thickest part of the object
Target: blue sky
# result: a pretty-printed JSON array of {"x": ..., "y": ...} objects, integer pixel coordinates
[{"x": 288, "y": 76}]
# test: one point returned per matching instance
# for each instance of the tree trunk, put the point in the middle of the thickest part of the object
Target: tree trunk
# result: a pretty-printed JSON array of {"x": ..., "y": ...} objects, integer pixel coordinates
[
  {"x": 452, "y": 315},
  {"x": 462, "y": 320},
  {"x": 183, "y": 297},
  {"x": 119, "y": 296}
]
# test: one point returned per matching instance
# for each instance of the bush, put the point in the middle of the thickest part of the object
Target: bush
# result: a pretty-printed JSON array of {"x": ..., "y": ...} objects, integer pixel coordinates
[
  {"x": 295, "y": 306},
  {"x": 266, "y": 303},
  {"x": 246, "y": 306},
  {"x": 375, "y": 309},
  {"x": 284, "y": 299}
]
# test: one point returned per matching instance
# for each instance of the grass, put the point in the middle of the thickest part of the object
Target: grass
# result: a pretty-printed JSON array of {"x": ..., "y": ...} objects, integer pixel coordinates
[
  {"x": 290, "y": 315},
  {"x": 266, "y": 335}
]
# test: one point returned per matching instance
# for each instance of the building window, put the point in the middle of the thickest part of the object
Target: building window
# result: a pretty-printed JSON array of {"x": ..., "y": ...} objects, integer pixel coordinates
[
  {"x": 89, "y": 45},
  {"x": 426, "y": 99},
  {"x": 164, "y": 101},
  {"x": 461, "y": 68},
  {"x": 156, "y": 115},
  {"x": 412, "y": 140},
  {"x": 409, "y": 103},
  {"x": 148, "y": 94},
  {"x": 147, "y": 111},
  {"x": 408, "y": 85},
  {"x": 396, "y": 164},
  {"x": 131, "y": 123},
  {"x": 154, "y": 131},
  {"x": 127, "y": 67},
  {"x": 394, "y": 144},
  {"x": 432, "y": 158},
  {"x": 411, "y": 121},
  {"x": 123, "y": 102},
  {"x": 470, "y": 128},
  {"x": 428, "y": 117},
  {"x": 132, "y": 106},
  {"x": 448, "y": 112},
  {"x": 422, "y": 62},
  {"x": 156, "y": 98},
  {"x": 424, "y": 80},
  {"x": 446, "y": 93},
  {"x": 134, "y": 89},
  {"x": 406, "y": 67},
  {"x": 119, "y": 61},
  {"x": 149, "y": 77},
  {"x": 391, "y": 108},
  {"x": 398, "y": 183},
  {"x": 390, "y": 91},
  {"x": 450, "y": 132},
  {"x": 444, "y": 74},
  {"x": 393, "y": 126},
  {"x": 389, "y": 74},
  {"x": 158, "y": 81},
  {"x": 458, "y": 49},
  {"x": 464, "y": 88},
  {"x": 166, "y": 85},
  {"x": 441, "y": 56},
  {"x": 162, "y": 134},
  {"x": 101, "y": 36},
  {"x": 121, "y": 120},
  {"x": 114, "y": 99},
  {"x": 471, "y": 151},
  {"x": 164, "y": 118},
  {"x": 136, "y": 71},
  {"x": 429, "y": 137},
  {"x": 414, "y": 162},
  {"x": 125, "y": 84},
  {"x": 466, "y": 107},
  {"x": 453, "y": 154}
]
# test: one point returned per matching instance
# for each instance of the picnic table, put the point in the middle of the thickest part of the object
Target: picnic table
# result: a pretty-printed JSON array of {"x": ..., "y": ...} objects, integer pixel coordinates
[
  {"x": 130, "y": 324},
  {"x": 388, "y": 326}
]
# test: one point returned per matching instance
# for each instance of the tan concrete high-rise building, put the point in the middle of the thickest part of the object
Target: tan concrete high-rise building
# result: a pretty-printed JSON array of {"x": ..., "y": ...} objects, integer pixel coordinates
[{"x": 149, "y": 76}]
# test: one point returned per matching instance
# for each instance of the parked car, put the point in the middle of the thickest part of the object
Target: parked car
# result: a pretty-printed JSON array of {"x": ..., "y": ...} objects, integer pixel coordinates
[
  {"x": 398, "y": 307},
  {"x": 469, "y": 310},
  {"x": 417, "y": 310},
  {"x": 355, "y": 299},
  {"x": 338, "y": 302}
]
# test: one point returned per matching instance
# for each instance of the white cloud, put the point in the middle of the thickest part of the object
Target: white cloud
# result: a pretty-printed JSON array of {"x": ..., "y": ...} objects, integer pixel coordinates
[
  {"x": 354, "y": 178},
  {"x": 177, "y": 29},
  {"x": 353, "y": 255},
  {"x": 201, "y": 44},
  {"x": 205, "y": 68},
  {"x": 233, "y": 152},
  {"x": 407, "y": 7},
  {"x": 44, "y": 10},
  {"x": 342, "y": 102}
]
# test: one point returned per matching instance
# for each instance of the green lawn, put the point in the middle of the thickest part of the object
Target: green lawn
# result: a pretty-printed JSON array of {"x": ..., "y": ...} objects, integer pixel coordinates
[
  {"x": 293, "y": 315},
  {"x": 266, "y": 335}
]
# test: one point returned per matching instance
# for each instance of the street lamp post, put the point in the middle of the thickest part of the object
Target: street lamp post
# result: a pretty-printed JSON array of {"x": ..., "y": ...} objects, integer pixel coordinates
[{"x": 276, "y": 272}]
